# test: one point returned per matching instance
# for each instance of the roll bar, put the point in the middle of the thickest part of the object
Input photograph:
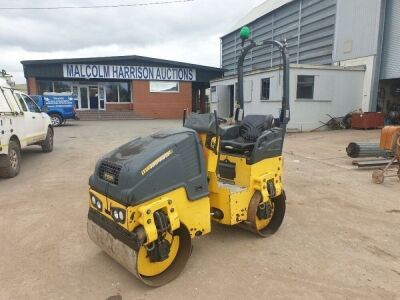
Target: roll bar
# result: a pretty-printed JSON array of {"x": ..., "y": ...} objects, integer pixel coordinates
[{"x": 284, "y": 117}]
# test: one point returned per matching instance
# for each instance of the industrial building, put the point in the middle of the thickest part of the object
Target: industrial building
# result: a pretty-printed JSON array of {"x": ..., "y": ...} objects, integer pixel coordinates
[
  {"x": 345, "y": 56},
  {"x": 144, "y": 86}
]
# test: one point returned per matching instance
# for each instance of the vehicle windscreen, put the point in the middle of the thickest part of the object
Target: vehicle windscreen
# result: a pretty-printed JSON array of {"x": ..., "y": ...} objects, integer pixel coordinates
[{"x": 35, "y": 98}]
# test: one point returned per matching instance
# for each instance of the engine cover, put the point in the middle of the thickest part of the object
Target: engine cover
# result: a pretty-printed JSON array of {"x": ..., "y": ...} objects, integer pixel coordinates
[{"x": 151, "y": 166}]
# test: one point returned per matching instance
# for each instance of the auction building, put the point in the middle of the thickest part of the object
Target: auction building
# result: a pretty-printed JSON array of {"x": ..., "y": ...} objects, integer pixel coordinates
[{"x": 144, "y": 86}]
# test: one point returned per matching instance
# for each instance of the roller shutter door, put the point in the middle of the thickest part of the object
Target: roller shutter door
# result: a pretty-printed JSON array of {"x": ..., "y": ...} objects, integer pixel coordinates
[{"x": 391, "y": 44}]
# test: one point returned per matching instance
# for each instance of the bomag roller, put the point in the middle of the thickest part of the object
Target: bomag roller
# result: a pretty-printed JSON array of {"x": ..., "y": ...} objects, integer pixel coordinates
[{"x": 150, "y": 197}]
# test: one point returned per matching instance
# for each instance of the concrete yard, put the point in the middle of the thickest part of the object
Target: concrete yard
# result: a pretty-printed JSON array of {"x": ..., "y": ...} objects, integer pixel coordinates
[{"x": 340, "y": 238}]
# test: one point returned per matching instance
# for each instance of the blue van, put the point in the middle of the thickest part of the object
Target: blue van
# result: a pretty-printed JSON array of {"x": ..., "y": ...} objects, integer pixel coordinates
[{"x": 59, "y": 106}]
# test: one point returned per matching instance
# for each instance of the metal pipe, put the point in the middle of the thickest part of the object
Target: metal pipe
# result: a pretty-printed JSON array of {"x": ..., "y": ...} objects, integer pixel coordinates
[
  {"x": 357, "y": 150},
  {"x": 184, "y": 117},
  {"x": 244, "y": 52},
  {"x": 217, "y": 140}
]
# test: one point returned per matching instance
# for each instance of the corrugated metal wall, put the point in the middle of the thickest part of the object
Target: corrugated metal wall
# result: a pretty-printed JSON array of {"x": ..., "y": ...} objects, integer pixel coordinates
[
  {"x": 308, "y": 26},
  {"x": 357, "y": 29},
  {"x": 390, "y": 67}
]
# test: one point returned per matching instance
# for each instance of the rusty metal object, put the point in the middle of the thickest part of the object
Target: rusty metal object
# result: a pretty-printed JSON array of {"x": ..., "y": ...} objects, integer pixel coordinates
[
  {"x": 334, "y": 123},
  {"x": 368, "y": 120},
  {"x": 390, "y": 139},
  {"x": 378, "y": 176}
]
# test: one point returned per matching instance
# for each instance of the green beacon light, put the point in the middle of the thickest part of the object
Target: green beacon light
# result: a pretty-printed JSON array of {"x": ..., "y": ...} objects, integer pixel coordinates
[{"x": 245, "y": 33}]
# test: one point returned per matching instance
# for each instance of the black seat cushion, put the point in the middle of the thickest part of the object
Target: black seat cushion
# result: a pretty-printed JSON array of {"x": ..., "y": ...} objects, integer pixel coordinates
[
  {"x": 251, "y": 127},
  {"x": 239, "y": 144}
]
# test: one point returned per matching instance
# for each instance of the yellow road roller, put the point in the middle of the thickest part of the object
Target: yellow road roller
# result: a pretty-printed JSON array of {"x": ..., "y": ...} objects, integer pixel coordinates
[{"x": 150, "y": 197}]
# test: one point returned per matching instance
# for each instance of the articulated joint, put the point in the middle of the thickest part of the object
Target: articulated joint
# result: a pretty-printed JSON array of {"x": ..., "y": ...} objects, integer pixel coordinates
[
  {"x": 147, "y": 219},
  {"x": 265, "y": 185}
]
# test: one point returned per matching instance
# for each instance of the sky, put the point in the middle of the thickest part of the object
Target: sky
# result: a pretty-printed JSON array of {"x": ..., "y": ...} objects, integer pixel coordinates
[{"x": 187, "y": 31}]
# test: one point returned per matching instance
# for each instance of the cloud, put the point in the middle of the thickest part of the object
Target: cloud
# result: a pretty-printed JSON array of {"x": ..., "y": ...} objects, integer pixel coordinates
[{"x": 187, "y": 31}]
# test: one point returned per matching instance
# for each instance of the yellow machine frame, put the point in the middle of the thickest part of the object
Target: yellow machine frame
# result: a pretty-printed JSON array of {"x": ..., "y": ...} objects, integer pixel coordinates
[
  {"x": 195, "y": 215},
  {"x": 250, "y": 178}
]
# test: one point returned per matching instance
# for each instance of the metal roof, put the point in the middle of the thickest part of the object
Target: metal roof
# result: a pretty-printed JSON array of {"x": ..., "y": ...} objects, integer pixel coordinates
[
  {"x": 53, "y": 68},
  {"x": 116, "y": 59},
  {"x": 259, "y": 11}
]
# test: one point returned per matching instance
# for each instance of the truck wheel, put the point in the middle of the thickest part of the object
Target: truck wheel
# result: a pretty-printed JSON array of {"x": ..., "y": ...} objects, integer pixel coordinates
[
  {"x": 56, "y": 120},
  {"x": 14, "y": 156},
  {"x": 47, "y": 144}
]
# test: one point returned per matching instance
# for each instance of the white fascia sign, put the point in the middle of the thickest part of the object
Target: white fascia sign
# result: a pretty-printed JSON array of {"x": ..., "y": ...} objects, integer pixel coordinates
[{"x": 85, "y": 71}]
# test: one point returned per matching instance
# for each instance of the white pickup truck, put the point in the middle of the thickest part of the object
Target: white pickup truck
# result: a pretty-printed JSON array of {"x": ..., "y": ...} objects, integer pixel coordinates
[{"x": 21, "y": 124}]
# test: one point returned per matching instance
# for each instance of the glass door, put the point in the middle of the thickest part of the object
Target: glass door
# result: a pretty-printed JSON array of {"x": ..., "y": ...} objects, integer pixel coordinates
[
  {"x": 102, "y": 97},
  {"x": 75, "y": 94},
  {"x": 94, "y": 97},
  {"x": 84, "y": 97}
]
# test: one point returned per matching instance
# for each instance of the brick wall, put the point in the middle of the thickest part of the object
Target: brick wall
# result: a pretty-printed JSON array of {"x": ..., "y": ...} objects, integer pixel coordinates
[
  {"x": 161, "y": 105},
  {"x": 119, "y": 106},
  {"x": 32, "y": 88}
]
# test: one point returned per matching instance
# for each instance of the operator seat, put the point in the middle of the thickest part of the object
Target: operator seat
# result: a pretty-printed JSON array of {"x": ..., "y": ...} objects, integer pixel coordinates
[{"x": 245, "y": 135}]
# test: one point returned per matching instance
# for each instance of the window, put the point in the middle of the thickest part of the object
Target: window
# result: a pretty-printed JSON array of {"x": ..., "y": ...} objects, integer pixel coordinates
[
  {"x": 44, "y": 86},
  {"x": 62, "y": 87},
  {"x": 31, "y": 104},
  {"x": 35, "y": 99},
  {"x": 265, "y": 88},
  {"x": 47, "y": 86},
  {"x": 118, "y": 92},
  {"x": 21, "y": 102},
  {"x": 111, "y": 92},
  {"x": 75, "y": 92},
  {"x": 164, "y": 87},
  {"x": 101, "y": 92},
  {"x": 305, "y": 87},
  {"x": 214, "y": 97},
  {"x": 124, "y": 92}
]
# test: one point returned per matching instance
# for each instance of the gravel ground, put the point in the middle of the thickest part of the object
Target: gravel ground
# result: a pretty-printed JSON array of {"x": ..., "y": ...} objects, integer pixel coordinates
[{"x": 340, "y": 238}]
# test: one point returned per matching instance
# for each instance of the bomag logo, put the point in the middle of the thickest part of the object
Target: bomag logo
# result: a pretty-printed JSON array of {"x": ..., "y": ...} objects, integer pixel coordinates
[{"x": 154, "y": 164}]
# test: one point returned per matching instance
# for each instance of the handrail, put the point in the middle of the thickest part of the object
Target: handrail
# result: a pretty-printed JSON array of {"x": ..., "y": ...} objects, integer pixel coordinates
[{"x": 282, "y": 46}]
